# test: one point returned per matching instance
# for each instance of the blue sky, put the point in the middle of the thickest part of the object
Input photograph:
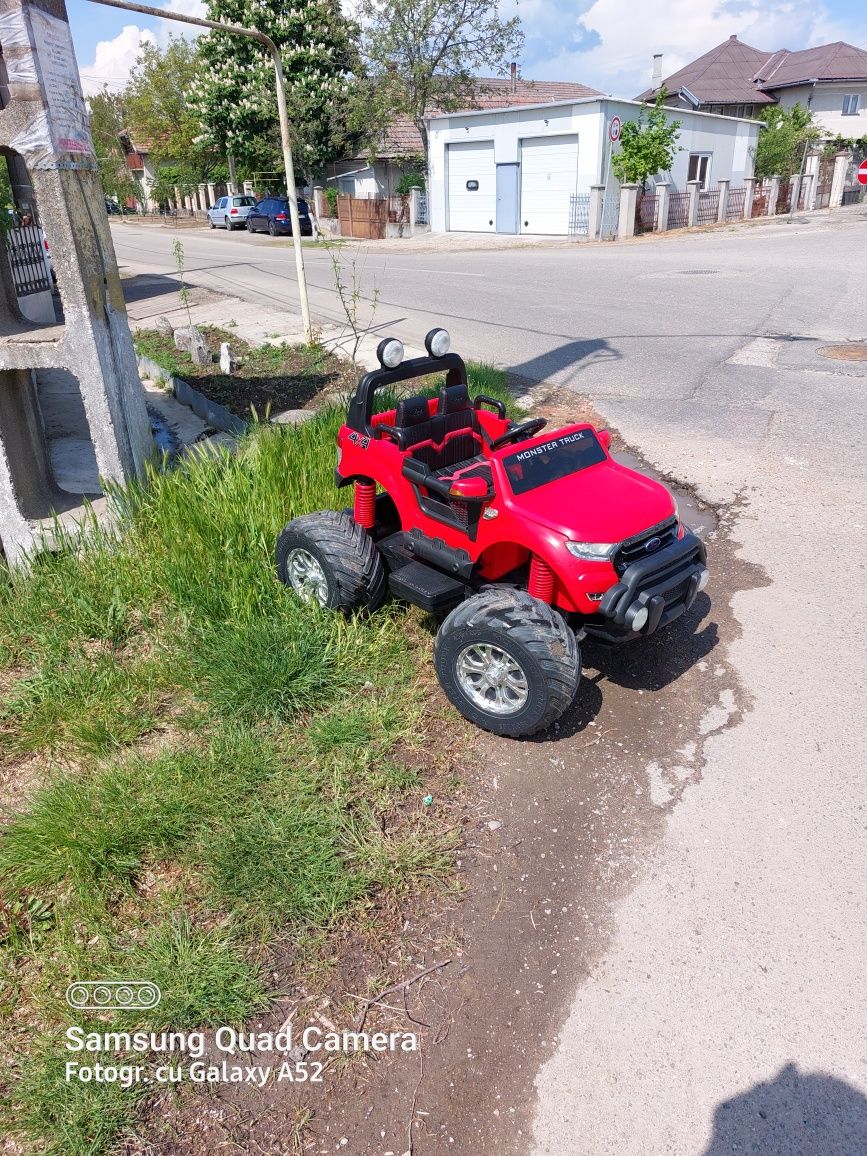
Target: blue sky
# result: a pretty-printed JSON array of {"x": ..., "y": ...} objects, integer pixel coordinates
[{"x": 605, "y": 43}]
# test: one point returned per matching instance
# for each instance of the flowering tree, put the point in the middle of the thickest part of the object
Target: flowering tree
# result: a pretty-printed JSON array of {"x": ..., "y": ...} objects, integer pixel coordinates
[{"x": 234, "y": 94}]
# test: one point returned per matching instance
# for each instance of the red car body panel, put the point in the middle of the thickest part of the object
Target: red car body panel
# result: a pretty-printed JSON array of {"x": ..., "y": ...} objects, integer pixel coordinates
[{"x": 604, "y": 502}]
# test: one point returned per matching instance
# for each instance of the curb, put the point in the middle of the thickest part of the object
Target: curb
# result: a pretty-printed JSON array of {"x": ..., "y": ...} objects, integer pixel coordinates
[{"x": 209, "y": 411}]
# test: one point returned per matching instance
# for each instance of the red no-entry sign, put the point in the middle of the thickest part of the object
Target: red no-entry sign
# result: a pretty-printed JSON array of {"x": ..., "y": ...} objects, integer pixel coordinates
[{"x": 862, "y": 173}]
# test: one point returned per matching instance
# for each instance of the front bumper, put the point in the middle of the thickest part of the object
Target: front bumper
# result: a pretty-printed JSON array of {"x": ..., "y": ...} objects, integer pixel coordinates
[{"x": 665, "y": 584}]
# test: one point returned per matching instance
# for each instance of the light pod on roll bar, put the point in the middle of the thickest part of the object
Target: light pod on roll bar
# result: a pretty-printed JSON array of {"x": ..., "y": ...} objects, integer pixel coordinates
[
  {"x": 438, "y": 342},
  {"x": 389, "y": 352}
]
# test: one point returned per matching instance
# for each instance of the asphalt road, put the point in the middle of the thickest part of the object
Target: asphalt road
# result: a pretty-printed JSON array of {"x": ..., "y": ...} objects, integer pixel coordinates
[{"x": 726, "y": 1010}]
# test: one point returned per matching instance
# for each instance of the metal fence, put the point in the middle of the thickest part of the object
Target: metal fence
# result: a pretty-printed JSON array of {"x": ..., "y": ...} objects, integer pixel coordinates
[
  {"x": 760, "y": 202},
  {"x": 27, "y": 250},
  {"x": 708, "y": 206},
  {"x": 678, "y": 210},
  {"x": 421, "y": 216},
  {"x": 784, "y": 197},
  {"x": 579, "y": 214},
  {"x": 735, "y": 204},
  {"x": 645, "y": 213},
  {"x": 853, "y": 195}
]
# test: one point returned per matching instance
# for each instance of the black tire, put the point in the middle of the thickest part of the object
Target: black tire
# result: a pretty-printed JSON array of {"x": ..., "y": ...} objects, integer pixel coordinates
[
  {"x": 250, "y": 228},
  {"x": 226, "y": 223},
  {"x": 529, "y": 633},
  {"x": 353, "y": 575},
  {"x": 211, "y": 223},
  {"x": 272, "y": 229}
]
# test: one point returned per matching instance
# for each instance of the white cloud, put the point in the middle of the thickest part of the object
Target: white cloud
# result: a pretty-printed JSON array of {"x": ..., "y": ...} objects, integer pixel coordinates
[
  {"x": 611, "y": 43},
  {"x": 113, "y": 59}
]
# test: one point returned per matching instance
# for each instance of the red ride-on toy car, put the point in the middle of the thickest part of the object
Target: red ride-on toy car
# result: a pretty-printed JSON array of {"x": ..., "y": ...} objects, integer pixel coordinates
[{"x": 528, "y": 541}]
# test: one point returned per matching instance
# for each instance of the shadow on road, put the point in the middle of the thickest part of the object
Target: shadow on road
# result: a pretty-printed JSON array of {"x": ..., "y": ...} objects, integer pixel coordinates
[
  {"x": 796, "y": 1114},
  {"x": 656, "y": 662},
  {"x": 574, "y": 355}
]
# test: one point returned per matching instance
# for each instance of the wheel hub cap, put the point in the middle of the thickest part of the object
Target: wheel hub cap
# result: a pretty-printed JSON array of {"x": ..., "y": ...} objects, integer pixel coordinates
[
  {"x": 306, "y": 576},
  {"x": 492, "y": 679}
]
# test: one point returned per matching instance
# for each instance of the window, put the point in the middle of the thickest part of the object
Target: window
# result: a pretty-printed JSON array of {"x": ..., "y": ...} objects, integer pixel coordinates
[
  {"x": 699, "y": 168},
  {"x": 850, "y": 105},
  {"x": 244, "y": 202},
  {"x": 552, "y": 460}
]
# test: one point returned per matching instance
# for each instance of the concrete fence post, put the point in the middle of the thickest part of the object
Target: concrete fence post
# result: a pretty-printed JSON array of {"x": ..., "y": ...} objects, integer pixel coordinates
[
  {"x": 212, "y": 196},
  {"x": 662, "y": 191},
  {"x": 773, "y": 196},
  {"x": 249, "y": 191},
  {"x": 749, "y": 196},
  {"x": 794, "y": 193},
  {"x": 319, "y": 201},
  {"x": 809, "y": 184},
  {"x": 693, "y": 188},
  {"x": 594, "y": 211},
  {"x": 626, "y": 221},
  {"x": 414, "y": 197},
  {"x": 723, "y": 199},
  {"x": 838, "y": 181}
]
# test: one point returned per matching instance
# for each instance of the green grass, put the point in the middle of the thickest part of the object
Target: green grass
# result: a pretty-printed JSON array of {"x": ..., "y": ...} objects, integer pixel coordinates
[{"x": 216, "y": 772}]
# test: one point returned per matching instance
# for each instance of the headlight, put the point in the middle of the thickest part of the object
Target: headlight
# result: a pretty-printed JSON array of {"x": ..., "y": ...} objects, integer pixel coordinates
[
  {"x": 390, "y": 352},
  {"x": 593, "y": 551},
  {"x": 437, "y": 342}
]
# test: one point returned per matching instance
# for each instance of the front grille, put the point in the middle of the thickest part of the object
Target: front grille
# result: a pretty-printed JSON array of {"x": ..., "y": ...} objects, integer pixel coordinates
[{"x": 636, "y": 548}]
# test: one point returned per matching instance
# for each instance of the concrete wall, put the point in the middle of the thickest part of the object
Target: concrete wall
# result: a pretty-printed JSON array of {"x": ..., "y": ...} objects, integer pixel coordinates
[
  {"x": 826, "y": 102},
  {"x": 729, "y": 141}
]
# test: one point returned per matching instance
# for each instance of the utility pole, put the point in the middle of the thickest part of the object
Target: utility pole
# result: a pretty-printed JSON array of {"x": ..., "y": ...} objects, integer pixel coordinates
[{"x": 291, "y": 191}]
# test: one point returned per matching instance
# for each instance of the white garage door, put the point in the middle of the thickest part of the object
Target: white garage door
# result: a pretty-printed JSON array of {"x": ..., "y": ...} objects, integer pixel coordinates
[
  {"x": 472, "y": 187},
  {"x": 549, "y": 177}
]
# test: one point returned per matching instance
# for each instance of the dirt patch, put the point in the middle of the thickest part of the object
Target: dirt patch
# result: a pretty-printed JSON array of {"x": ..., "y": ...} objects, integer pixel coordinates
[{"x": 268, "y": 378}]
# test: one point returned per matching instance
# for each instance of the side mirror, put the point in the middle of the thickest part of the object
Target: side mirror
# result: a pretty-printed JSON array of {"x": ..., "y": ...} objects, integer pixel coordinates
[
  {"x": 469, "y": 489},
  {"x": 604, "y": 436}
]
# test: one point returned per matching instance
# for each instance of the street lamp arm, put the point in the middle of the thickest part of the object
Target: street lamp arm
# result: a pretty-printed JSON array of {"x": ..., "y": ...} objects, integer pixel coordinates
[
  {"x": 147, "y": 10},
  {"x": 291, "y": 191}
]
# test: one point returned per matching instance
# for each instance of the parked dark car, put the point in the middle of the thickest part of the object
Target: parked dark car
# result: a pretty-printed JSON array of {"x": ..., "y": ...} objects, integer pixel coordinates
[{"x": 271, "y": 215}]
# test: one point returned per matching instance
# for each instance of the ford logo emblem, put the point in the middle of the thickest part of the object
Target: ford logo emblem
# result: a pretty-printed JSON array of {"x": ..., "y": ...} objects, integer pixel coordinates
[{"x": 652, "y": 544}]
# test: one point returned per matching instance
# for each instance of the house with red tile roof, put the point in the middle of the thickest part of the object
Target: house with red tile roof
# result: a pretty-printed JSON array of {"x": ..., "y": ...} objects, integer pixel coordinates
[{"x": 735, "y": 79}]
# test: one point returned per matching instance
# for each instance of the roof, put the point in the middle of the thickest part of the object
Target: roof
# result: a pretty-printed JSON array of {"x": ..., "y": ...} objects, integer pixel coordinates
[
  {"x": 837, "y": 61},
  {"x": 723, "y": 75},
  {"x": 736, "y": 73},
  {"x": 402, "y": 137},
  {"x": 611, "y": 100}
]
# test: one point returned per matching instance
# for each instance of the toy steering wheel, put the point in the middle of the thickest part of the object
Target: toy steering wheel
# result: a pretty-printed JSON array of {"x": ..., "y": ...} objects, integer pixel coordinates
[{"x": 526, "y": 429}]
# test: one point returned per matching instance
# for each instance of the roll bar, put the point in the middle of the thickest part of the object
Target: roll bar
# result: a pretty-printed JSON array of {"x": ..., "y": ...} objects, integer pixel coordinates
[{"x": 361, "y": 405}]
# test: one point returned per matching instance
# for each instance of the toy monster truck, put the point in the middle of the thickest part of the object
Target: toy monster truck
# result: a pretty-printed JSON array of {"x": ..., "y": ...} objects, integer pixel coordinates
[{"x": 528, "y": 541}]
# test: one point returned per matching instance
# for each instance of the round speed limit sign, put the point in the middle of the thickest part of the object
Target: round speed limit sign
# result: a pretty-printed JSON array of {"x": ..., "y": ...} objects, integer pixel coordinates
[{"x": 614, "y": 129}]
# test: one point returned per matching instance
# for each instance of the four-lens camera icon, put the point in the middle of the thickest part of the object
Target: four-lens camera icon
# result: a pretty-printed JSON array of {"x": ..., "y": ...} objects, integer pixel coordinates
[{"x": 113, "y": 995}]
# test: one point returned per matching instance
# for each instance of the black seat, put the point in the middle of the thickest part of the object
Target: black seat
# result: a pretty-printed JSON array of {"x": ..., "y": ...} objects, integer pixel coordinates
[{"x": 450, "y": 436}]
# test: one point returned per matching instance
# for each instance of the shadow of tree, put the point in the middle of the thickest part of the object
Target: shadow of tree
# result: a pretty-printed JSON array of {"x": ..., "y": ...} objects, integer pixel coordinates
[{"x": 795, "y": 1114}]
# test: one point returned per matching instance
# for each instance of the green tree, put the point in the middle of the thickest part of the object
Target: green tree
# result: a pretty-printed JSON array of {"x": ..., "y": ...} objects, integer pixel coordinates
[
  {"x": 160, "y": 115},
  {"x": 786, "y": 132},
  {"x": 421, "y": 55},
  {"x": 234, "y": 95},
  {"x": 107, "y": 112},
  {"x": 647, "y": 145}
]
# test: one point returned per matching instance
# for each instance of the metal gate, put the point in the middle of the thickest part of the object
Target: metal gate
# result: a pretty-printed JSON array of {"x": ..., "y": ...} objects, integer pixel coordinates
[
  {"x": 610, "y": 215},
  {"x": 28, "y": 260},
  {"x": 579, "y": 214}
]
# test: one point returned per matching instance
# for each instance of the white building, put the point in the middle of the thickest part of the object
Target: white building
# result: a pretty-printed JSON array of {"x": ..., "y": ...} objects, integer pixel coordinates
[{"x": 515, "y": 170}]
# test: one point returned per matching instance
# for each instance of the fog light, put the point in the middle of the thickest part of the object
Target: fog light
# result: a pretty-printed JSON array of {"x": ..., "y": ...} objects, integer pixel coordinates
[
  {"x": 438, "y": 342},
  {"x": 703, "y": 580},
  {"x": 636, "y": 617},
  {"x": 390, "y": 352}
]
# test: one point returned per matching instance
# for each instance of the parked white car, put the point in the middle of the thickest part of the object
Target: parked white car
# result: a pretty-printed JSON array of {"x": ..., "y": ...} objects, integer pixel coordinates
[{"x": 230, "y": 213}]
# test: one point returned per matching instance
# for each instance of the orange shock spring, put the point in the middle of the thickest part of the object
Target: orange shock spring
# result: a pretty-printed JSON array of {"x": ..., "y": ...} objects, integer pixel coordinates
[
  {"x": 541, "y": 580},
  {"x": 365, "y": 503}
]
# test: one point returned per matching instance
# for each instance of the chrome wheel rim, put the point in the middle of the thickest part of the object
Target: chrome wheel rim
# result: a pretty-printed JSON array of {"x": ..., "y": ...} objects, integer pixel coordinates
[
  {"x": 492, "y": 679},
  {"x": 306, "y": 576}
]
